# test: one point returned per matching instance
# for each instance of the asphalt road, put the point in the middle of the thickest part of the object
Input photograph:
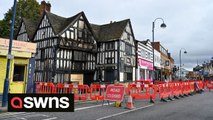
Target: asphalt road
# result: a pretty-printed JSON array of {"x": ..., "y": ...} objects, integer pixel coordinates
[{"x": 196, "y": 107}]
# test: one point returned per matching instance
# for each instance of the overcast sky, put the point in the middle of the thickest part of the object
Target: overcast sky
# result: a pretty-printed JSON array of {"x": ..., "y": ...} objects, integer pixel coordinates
[{"x": 189, "y": 22}]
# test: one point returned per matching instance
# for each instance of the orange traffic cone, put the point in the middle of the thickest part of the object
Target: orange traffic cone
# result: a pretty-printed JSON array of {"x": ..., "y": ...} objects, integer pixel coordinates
[{"x": 129, "y": 103}]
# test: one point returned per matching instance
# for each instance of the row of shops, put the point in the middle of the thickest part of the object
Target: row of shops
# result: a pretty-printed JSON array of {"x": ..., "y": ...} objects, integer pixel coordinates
[{"x": 163, "y": 62}]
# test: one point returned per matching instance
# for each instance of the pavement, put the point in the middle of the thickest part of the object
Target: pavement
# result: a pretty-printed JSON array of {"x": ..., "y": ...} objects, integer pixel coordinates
[{"x": 2, "y": 109}]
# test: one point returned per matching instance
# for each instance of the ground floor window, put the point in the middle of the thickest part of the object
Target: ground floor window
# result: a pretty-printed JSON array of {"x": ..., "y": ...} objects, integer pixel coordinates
[
  {"x": 149, "y": 74},
  {"x": 142, "y": 74},
  {"x": 18, "y": 74}
]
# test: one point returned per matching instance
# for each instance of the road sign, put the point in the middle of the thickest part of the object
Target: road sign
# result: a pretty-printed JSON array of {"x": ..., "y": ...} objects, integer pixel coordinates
[{"x": 114, "y": 93}]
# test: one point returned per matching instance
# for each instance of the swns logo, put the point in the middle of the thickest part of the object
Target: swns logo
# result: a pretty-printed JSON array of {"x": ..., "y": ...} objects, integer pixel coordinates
[{"x": 41, "y": 103}]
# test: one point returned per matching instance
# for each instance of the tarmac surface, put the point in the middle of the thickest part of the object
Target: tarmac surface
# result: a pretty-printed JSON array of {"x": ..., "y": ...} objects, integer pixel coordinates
[{"x": 196, "y": 107}]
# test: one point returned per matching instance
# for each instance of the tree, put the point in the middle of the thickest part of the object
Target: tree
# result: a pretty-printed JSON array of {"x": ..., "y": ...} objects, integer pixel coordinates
[{"x": 25, "y": 8}]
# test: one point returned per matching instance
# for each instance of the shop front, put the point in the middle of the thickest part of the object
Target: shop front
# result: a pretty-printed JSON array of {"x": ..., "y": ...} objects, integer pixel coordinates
[
  {"x": 20, "y": 68},
  {"x": 145, "y": 69}
]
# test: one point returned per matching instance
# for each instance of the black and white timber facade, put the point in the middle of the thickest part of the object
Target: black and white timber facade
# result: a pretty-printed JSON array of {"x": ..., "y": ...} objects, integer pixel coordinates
[
  {"x": 116, "y": 51},
  {"x": 66, "y": 48}
]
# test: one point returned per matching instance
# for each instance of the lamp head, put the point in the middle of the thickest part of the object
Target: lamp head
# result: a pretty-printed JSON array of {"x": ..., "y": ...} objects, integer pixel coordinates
[
  {"x": 185, "y": 52},
  {"x": 163, "y": 25}
]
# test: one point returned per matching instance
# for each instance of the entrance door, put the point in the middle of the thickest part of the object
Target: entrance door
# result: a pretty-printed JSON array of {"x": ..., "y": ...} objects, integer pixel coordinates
[
  {"x": 109, "y": 76},
  {"x": 18, "y": 80},
  {"x": 88, "y": 78}
]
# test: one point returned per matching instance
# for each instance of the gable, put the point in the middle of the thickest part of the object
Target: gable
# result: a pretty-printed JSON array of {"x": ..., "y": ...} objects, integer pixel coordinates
[
  {"x": 44, "y": 29},
  {"x": 128, "y": 35},
  {"x": 78, "y": 34},
  {"x": 22, "y": 33}
]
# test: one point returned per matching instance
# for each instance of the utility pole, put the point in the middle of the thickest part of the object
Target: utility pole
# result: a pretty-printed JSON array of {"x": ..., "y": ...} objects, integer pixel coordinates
[{"x": 9, "y": 56}]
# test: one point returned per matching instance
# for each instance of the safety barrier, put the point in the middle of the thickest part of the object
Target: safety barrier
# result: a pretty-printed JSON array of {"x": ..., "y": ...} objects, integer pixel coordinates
[
  {"x": 139, "y": 90},
  {"x": 176, "y": 89},
  {"x": 192, "y": 86},
  {"x": 164, "y": 91},
  {"x": 209, "y": 85},
  {"x": 45, "y": 88},
  {"x": 97, "y": 91},
  {"x": 82, "y": 92},
  {"x": 185, "y": 88},
  {"x": 68, "y": 88},
  {"x": 142, "y": 91},
  {"x": 199, "y": 86}
]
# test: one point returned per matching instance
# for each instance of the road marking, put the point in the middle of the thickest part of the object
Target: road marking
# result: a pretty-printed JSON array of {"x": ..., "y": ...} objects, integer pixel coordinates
[
  {"x": 35, "y": 115},
  {"x": 14, "y": 115},
  {"x": 113, "y": 115},
  {"x": 83, "y": 108},
  {"x": 6, "y": 114},
  {"x": 53, "y": 118}
]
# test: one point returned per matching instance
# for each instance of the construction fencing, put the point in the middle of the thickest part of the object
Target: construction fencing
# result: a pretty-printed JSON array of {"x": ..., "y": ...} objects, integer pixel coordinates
[{"x": 147, "y": 90}]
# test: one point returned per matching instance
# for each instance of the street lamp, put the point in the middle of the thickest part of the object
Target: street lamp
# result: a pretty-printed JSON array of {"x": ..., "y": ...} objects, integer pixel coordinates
[
  {"x": 185, "y": 52},
  {"x": 163, "y": 25},
  {"x": 6, "y": 81}
]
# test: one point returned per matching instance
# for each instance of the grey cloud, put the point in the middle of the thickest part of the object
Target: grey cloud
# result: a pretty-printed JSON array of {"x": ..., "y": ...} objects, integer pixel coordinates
[{"x": 189, "y": 22}]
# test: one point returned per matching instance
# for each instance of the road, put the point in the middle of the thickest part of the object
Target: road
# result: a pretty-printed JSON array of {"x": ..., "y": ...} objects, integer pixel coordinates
[{"x": 196, "y": 107}]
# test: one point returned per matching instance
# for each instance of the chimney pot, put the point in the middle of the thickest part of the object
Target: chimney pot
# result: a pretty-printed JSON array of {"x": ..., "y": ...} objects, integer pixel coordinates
[{"x": 45, "y": 6}]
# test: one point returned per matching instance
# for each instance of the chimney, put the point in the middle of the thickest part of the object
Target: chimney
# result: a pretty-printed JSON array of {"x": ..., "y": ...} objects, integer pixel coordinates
[
  {"x": 44, "y": 7},
  {"x": 48, "y": 6}
]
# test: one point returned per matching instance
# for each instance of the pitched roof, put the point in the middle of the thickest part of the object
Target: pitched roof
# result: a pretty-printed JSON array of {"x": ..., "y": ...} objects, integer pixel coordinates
[
  {"x": 60, "y": 23},
  {"x": 30, "y": 26},
  {"x": 111, "y": 31},
  {"x": 55, "y": 21}
]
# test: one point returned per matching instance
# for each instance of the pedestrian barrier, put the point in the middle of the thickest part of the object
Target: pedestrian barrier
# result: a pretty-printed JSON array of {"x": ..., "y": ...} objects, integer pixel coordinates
[
  {"x": 176, "y": 89},
  {"x": 209, "y": 85},
  {"x": 192, "y": 86},
  {"x": 97, "y": 91},
  {"x": 82, "y": 92},
  {"x": 164, "y": 91},
  {"x": 45, "y": 88},
  {"x": 185, "y": 88},
  {"x": 68, "y": 89},
  {"x": 142, "y": 91},
  {"x": 138, "y": 90},
  {"x": 199, "y": 86}
]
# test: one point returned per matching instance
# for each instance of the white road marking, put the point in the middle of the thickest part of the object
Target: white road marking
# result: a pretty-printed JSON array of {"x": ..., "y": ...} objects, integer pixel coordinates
[
  {"x": 83, "y": 108},
  {"x": 35, "y": 115},
  {"x": 113, "y": 115},
  {"x": 23, "y": 115},
  {"x": 14, "y": 115},
  {"x": 53, "y": 118},
  {"x": 10, "y": 113}
]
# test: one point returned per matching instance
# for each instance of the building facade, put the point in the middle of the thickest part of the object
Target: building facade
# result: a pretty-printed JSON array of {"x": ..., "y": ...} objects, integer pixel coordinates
[
  {"x": 157, "y": 65},
  {"x": 116, "y": 51},
  {"x": 21, "y": 69},
  {"x": 66, "y": 49},
  {"x": 144, "y": 69},
  {"x": 166, "y": 65}
]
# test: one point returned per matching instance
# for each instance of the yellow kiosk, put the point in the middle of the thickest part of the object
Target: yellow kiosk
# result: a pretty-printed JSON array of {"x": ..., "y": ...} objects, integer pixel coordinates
[{"x": 22, "y": 52}]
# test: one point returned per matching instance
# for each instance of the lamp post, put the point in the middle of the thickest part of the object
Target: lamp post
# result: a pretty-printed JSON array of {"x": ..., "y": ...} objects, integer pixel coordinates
[
  {"x": 185, "y": 52},
  {"x": 9, "y": 56},
  {"x": 163, "y": 25}
]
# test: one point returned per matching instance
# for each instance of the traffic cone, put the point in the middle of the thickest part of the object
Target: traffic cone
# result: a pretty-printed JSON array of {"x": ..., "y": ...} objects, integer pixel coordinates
[{"x": 129, "y": 103}]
